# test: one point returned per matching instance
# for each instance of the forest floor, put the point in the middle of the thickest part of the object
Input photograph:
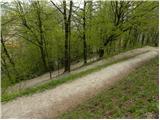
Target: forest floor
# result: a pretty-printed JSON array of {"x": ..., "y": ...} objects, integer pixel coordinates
[
  {"x": 75, "y": 68},
  {"x": 53, "y": 102}
]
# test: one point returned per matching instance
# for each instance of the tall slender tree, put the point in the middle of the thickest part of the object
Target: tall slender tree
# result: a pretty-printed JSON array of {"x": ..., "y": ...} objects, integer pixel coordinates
[
  {"x": 67, "y": 31},
  {"x": 39, "y": 39},
  {"x": 84, "y": 34}
]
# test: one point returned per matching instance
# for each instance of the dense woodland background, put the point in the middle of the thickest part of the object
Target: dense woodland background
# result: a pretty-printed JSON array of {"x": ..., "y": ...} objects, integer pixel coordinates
[{"x": 43, "y": 36}]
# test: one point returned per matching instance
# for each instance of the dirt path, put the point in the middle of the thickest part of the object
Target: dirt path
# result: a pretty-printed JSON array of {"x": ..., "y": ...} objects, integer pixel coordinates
[
  {"x": 51, "y": 103},
  {"x": 45, "y": 77}
]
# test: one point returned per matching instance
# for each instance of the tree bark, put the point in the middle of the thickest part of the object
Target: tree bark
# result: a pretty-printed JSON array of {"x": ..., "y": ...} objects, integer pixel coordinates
[
  {"x": 6, "y": 51},
  {"x": 67, "y": 32},
  {"x": 66, "y": 38},
  {"x": 42, "y": 40},
  {"x": 39, "y": 40},
  {"x": 84, "y": 34},
  {"x": 4, "y": 64},
  {"x": 69, "y": 35}
]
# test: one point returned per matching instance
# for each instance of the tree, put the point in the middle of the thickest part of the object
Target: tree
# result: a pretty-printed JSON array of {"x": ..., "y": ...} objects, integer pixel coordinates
[
  {"x": 67, "y": 31},
  {"x": 39, "y": 39},
  {"x": 84, "y": 34}
]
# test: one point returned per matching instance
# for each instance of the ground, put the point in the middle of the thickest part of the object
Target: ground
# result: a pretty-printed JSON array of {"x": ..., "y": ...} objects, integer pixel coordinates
[
  {"x": 133, "y": 97},
  {"x": 54, "y": 102},
  {"x": 43, "y": 82}
]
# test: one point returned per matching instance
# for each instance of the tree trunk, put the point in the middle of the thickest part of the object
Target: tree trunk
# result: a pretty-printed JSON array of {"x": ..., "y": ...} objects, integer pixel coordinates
[
  {"x": 42, "y": 41},
  {"x": 43, "y": 58},
  {"x": 6, "y": 51},
  {"x": 67, "y": 23},
  {"x": 4, "y": 64},
  {"x": 66, "y": 67},
  {"x": 84, "y": 35},
  {"x": 69, "y": 35}
]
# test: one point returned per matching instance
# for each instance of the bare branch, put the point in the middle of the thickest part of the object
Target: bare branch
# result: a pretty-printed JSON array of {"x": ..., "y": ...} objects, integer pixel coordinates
[{"x": 57, "y": 7}]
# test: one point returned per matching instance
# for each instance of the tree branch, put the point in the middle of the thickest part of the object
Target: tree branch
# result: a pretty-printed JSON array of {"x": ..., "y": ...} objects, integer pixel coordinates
[{"x": 57, "y": 7}]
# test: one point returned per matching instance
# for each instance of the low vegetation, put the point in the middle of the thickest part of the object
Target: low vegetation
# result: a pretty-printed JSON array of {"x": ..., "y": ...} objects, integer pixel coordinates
[
  {"x": 43, "y": 36},
  {"x": 133, "y": 97},
  {"x": 53, "y": 83}
]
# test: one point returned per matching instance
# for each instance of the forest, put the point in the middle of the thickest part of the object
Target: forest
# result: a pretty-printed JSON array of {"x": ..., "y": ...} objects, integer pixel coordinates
[{"x": 45, "y": 36}]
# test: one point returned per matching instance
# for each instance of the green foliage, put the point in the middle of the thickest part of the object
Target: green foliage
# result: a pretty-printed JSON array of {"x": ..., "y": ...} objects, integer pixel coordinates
[
  {"x": 139, "y": 27},
  {"x": 53, "y": 83}
]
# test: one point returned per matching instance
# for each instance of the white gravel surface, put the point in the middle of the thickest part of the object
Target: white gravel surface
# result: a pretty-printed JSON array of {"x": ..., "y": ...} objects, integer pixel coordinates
[
  {"x": 46, "y": 77},
  {"x": 51, "y": 103}
]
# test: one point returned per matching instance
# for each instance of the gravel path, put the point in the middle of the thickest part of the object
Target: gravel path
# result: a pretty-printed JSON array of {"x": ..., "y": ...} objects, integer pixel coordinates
[
  {"x": 46, "y": 77},
  {"x": 51, "y": 103}
]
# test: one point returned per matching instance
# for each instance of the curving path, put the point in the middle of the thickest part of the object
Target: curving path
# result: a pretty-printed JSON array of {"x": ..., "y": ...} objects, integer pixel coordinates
[
  {"x": 46, "y": 77},
  {"x": 51, "y": 103}
]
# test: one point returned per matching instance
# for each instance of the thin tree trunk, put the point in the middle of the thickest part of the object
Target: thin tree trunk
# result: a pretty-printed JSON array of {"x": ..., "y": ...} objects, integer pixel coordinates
[
  {"x": 8, "y": 56},
  {"x": 67, "y": 23},
  {"x": 66, "y": 67},
  {"x": 43, "y": 57},
  {"x": 4, "y": 64},
  {"x": 6, "y": 68},
  {"x": 69, "y": 35},
  {"x": 84, "y": 34},
  {"x": 6, "y": 51},
  {"x": 44, "y": 53},
  {"x": 40, "y": 41}
]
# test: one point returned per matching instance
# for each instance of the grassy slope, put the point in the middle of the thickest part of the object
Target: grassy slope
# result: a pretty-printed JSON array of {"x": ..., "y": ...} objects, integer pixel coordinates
[
  {"x": 53, "y": 83},
  {"x": 134, "y": 97}
]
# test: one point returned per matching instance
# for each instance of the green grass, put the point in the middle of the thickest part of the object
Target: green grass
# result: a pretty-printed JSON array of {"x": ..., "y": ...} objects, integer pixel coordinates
[
  {"x": 133, "y": 97},
  {"x": 53, "y": 83},
  {"x": 5, "y": 82}
]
